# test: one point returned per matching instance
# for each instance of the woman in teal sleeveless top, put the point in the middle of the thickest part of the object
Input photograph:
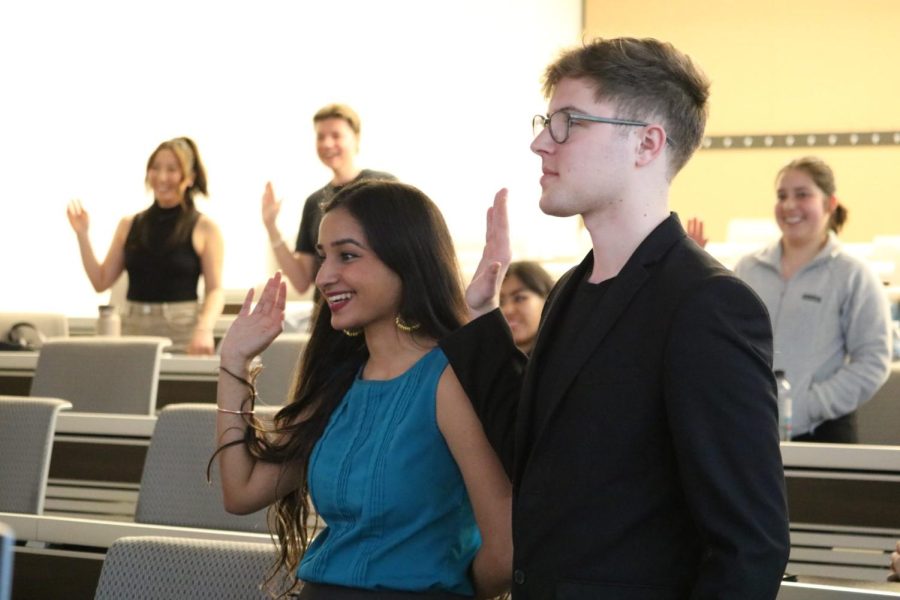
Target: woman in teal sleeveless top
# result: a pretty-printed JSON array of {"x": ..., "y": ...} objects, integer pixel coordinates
[{"x": 379, "y": 433}]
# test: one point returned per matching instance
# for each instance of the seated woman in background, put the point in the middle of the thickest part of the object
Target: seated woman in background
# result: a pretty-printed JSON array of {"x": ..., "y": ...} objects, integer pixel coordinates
[
  {"x": 165, "y": 250},
  {"x": 829, "y": 311},
  {"x": 379, "y": 435},
  {"x": 522, "y": 296}
]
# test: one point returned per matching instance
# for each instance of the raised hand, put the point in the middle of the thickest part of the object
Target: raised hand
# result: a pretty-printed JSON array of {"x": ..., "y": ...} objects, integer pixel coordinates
[
  {"x": 78, "y": 217},
  {"x": 253, "y": 330},
  {"x": 483, "y": 292},
  {"x": 270, "y": 206},
  {"x": 695, "y": 231}
]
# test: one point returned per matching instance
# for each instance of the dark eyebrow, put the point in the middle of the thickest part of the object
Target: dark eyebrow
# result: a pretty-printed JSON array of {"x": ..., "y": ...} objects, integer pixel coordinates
[{"x": 341, "y": 242}]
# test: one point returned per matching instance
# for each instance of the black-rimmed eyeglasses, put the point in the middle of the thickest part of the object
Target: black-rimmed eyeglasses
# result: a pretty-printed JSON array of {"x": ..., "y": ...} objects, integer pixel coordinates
[{"x": 560, "y": 122}]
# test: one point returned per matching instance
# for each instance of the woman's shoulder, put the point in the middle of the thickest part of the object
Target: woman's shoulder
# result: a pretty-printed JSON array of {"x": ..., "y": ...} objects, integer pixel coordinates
[
  {"x": 840, "y": 256},
  {"x": 853, "y": 270},
  {"x": 203, "y": 220},
  {"x": 205, "y": 224},
  {"x": 126, "y": 222},
  {"x": 762, "y": 262},
  {"x": 433, "y": 361}
]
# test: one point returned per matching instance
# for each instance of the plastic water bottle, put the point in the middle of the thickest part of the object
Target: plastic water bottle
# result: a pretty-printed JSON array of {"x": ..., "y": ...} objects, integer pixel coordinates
[
  {"x": 109, "y": 323},
  {"x": 785, "y": 406}
]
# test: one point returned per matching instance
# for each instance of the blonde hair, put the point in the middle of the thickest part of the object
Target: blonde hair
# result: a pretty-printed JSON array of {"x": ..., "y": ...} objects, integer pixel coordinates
[{"x": 339, "y": 111}]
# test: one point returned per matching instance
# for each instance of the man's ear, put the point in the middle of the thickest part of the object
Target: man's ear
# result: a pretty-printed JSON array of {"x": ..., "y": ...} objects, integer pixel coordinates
[{"x": 652, "y": 142}]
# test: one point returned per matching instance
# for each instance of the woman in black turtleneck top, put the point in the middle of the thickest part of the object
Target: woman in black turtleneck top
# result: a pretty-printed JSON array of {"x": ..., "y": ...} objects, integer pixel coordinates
[{"x": 165, "y": 250}]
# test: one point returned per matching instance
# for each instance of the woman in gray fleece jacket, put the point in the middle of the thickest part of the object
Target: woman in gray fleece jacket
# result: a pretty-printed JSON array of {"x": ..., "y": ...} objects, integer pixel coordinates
[{"x": 829, "y": 311}]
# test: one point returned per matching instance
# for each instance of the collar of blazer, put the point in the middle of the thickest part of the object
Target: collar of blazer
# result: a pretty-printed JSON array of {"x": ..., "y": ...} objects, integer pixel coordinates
[{"x": 614, "y": 302}]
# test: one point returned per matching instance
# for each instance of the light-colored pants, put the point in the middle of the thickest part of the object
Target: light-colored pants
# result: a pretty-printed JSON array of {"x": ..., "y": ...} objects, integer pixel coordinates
[{"x": 174, "y": 320}]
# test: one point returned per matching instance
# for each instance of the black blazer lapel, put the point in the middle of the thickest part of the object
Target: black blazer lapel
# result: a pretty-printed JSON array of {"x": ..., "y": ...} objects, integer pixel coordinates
[
  {"x": 556, "y": 302},
  {"x": 611, "y": 307}
]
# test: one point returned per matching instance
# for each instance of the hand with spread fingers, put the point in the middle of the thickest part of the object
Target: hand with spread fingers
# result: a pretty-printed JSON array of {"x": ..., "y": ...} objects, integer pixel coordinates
[{"x": 253, "y": 330}]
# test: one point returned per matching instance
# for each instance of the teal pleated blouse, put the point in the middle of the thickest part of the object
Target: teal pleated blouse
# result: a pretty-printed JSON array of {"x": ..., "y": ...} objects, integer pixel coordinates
[{"x": 382, "y": 477}]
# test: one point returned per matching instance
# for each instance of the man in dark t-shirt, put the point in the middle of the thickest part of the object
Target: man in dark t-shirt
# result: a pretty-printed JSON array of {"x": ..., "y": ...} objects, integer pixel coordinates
[
  {"x": 308, "y": 235},
  {"x": 337, "y": 144}
]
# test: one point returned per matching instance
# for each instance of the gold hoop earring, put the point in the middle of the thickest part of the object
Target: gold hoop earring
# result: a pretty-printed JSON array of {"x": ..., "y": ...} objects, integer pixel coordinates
[
  {"x": 352, "y": 332},
  {"x": 404, "y": 326}
]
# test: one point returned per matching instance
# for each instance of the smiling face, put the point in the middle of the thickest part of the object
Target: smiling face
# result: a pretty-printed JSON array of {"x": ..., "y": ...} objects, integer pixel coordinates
[
  {"x": 361, "y": 291},
  {"x": 802, "y": 209},
  {"x": 336, "y": 143},
  {"x": 522, "y": 309},
  {"x": 590, "y": 169},
  {"x": 166, "y": 179}
]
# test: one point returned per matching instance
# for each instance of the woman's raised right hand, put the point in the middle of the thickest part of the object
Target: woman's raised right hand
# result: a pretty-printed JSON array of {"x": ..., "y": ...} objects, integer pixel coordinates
[{"x": 253, "y": 330}]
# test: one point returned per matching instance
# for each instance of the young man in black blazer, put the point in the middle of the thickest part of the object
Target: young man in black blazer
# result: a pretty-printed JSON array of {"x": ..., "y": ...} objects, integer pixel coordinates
[{"x": 642, "y": 435}]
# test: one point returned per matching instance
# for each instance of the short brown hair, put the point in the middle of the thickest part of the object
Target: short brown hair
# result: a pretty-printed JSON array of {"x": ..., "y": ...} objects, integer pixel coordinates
[
  {"x": 823, "y": 177},
  {"x": 339, "y": 111},
  {"x": 645, "y": 79}
]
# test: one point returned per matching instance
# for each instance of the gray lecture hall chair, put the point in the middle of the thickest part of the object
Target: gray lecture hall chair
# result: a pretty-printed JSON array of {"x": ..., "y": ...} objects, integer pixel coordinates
[
  {"x": 173, "y": 488},
  {"x": 280, "y": 361},
  {"x": 27, "y": 426},
  {"x": 102, "y": 374},
  {"x": 155, "y": 567}
]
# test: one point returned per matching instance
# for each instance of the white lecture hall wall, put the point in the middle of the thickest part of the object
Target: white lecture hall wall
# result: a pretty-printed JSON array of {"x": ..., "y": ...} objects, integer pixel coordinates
[{"x": 446, "y": 92}]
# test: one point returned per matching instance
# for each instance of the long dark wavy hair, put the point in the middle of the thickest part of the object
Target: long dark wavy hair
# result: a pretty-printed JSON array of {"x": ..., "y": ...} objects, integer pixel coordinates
[{"x": 408, "y": 234}]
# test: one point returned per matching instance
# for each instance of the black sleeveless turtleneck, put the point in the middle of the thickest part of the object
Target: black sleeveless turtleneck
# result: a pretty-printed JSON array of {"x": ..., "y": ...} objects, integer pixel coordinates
[{"x": 160, "y": 259}]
